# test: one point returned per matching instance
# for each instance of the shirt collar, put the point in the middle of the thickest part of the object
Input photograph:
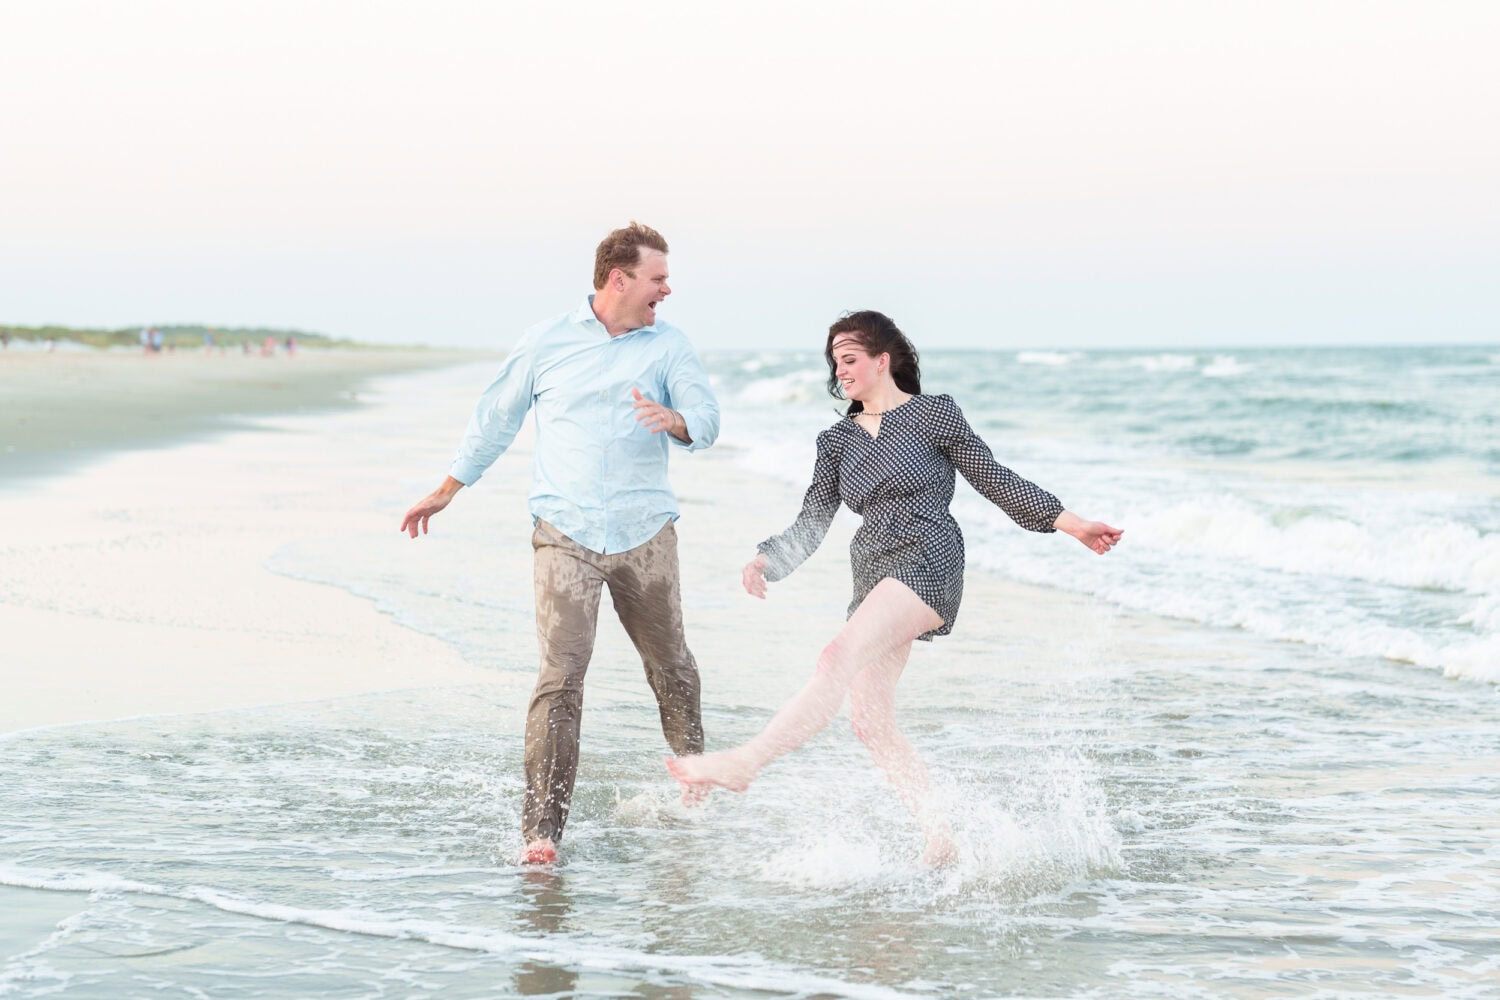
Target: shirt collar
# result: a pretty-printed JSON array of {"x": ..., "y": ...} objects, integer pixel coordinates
[{"x": 584, "y": 317}]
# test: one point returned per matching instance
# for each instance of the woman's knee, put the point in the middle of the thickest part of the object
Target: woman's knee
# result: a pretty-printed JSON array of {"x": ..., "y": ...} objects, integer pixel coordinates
[{"x": 833, "y": 660}]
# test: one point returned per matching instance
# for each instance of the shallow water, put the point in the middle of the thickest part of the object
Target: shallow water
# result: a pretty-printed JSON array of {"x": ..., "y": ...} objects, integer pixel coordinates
[{"x": 1146, "y": 806}]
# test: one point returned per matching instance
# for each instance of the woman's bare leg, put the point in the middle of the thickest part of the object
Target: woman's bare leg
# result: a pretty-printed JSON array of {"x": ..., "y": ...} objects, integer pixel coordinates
[
  {"x": 872, "y": 710},
  {"x": 884, "y": 624}
]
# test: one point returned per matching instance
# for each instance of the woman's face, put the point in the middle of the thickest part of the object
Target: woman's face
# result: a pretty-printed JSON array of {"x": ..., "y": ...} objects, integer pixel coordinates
[{"x": 858, "y": 372}]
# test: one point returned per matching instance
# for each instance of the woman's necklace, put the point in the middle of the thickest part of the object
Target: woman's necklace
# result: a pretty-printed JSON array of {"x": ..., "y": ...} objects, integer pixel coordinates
[{"x": 880, "y": 413}]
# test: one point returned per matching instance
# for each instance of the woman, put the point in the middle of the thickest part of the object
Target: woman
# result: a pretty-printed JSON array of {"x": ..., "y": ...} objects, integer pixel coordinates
[{"x": 891, "y": 459}]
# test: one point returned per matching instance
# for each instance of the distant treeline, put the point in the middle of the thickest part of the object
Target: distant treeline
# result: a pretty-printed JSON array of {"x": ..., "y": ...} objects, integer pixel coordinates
[{"x": 174, "y": 335}]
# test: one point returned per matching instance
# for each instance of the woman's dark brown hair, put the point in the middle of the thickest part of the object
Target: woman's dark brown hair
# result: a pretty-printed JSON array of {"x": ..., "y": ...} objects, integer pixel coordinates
[{"x": 876, "y": 334}]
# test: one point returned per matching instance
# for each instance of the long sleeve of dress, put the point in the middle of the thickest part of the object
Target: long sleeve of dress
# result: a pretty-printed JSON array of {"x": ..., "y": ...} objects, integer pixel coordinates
[
  {"x": 790, "y": 549},
  {"x": 1030, "y": 506}
]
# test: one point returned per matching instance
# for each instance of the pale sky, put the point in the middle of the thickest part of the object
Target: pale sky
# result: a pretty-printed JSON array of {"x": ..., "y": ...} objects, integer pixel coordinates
[{"x": 1018, "y": 175}]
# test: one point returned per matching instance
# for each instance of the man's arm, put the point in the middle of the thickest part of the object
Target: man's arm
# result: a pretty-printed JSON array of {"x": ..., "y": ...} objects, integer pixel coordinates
[
  {"x": 497, "y": 417},
  {"x": 492, "y": 428},
  {"x": 689, "y": 391}
]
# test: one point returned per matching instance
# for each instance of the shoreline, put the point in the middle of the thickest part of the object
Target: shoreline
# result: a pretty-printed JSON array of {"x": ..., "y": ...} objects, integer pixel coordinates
[{"x": 59, "y": 410}]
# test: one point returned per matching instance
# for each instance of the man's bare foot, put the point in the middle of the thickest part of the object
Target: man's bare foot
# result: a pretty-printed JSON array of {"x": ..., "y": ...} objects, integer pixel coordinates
[
  {"x": 539, "y": 852},
  {"x": 728, "y": 770}
]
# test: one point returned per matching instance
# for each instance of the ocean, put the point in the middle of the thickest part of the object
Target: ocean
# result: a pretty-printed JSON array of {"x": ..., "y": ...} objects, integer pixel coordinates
[{"x": 1252, "y": 752}]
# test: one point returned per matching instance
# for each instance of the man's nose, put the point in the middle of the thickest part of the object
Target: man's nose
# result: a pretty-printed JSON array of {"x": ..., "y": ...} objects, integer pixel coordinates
[{"x": 666, "y": 289}]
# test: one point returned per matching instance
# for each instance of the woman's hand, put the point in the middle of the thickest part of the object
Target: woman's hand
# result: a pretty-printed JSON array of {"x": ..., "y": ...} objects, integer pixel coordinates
[
  {"x": 1095, "y": 534},
  {"x": 754, "y": 576}
]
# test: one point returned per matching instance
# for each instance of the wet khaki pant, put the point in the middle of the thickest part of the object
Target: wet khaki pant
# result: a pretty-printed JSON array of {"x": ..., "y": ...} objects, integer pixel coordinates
[{"x": 643, "y": 584}]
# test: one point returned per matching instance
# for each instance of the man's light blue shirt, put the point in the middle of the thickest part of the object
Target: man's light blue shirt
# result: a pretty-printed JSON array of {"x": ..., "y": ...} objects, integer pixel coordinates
[{"x": 599, "y": 476}]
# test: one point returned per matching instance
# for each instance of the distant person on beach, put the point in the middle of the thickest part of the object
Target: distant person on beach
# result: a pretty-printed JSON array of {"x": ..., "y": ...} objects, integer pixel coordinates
[
  {"x": 892, "y": 460},
  {"x": 613, "y": 388}
]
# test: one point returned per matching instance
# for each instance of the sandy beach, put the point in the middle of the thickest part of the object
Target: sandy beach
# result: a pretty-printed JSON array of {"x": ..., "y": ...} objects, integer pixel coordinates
[
  {"x": 137, "y": 585},
  {"x": 60, "y": 407}
]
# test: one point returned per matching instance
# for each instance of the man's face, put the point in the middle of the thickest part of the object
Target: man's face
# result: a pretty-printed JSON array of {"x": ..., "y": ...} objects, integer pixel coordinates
[{"x": 646, "y": 290}]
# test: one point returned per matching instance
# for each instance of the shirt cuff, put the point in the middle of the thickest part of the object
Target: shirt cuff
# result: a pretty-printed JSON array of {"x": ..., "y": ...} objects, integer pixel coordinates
[
  {"x": 465, "y": 471},
  {"x": 695, "y": 430}
]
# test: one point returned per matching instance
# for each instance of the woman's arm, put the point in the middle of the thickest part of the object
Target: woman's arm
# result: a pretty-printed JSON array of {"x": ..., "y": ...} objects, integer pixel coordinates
[
  {"x": 780, "y": 554},
  {"x": 1030, "y": 506}
]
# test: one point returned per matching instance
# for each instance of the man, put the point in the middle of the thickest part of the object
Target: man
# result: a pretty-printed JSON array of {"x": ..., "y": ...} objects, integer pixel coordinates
[{"x": 613, "y": 389}]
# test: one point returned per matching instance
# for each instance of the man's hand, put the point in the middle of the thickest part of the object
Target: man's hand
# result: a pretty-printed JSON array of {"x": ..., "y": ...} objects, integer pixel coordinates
[
  {"x": 754, "y": 576},
  {"x": 657, "y": 418},
  {"x": 429, "y": 505},
  {"x": 1095, "y": 534}
]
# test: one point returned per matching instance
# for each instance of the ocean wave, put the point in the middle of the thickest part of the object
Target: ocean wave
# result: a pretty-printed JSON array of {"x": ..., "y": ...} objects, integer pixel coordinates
[
  {"x": 806, "y": 386},
  {"x": 1226, "y": 366},
  {"x": 1051, "y": 358},
  {"x": 1163, "y": 362},
  {"x": 1436, "y": 554},
  {"x": 568, "y": 950},
  {"x": 1383, "y": 584}
]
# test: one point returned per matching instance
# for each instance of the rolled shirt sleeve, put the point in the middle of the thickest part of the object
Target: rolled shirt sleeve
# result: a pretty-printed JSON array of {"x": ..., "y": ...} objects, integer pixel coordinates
[{"x": 690, "y": 394}]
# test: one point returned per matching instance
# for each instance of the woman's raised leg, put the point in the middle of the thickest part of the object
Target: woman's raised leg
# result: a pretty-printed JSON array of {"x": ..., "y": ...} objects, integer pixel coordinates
[{"x": 884, "y": 625}]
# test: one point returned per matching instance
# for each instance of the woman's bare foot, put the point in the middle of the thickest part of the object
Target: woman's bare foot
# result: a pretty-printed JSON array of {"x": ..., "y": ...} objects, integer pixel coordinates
[
  {"x": 539, "y": 852},
  {"x": 729, "y": 769},
  {"x": 941, "y": 850}
]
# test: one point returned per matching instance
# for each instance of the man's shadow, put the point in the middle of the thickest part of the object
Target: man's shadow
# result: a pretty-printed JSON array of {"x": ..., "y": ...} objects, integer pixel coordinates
[
  {"x": 549, "y": 906},
  {"x": 546, "y": 912}
]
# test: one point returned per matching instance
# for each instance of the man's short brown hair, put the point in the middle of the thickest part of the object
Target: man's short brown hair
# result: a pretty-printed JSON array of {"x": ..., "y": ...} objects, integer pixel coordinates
[{"x": 622, "y": 249}]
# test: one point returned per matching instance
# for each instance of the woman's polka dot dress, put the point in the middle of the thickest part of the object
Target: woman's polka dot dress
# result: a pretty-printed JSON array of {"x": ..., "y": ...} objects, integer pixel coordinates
[{"x": 901, "y": 482}]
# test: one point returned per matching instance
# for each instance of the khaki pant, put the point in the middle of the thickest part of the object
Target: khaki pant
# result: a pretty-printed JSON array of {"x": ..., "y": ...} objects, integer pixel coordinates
[{"x": 643, "y": 584}]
